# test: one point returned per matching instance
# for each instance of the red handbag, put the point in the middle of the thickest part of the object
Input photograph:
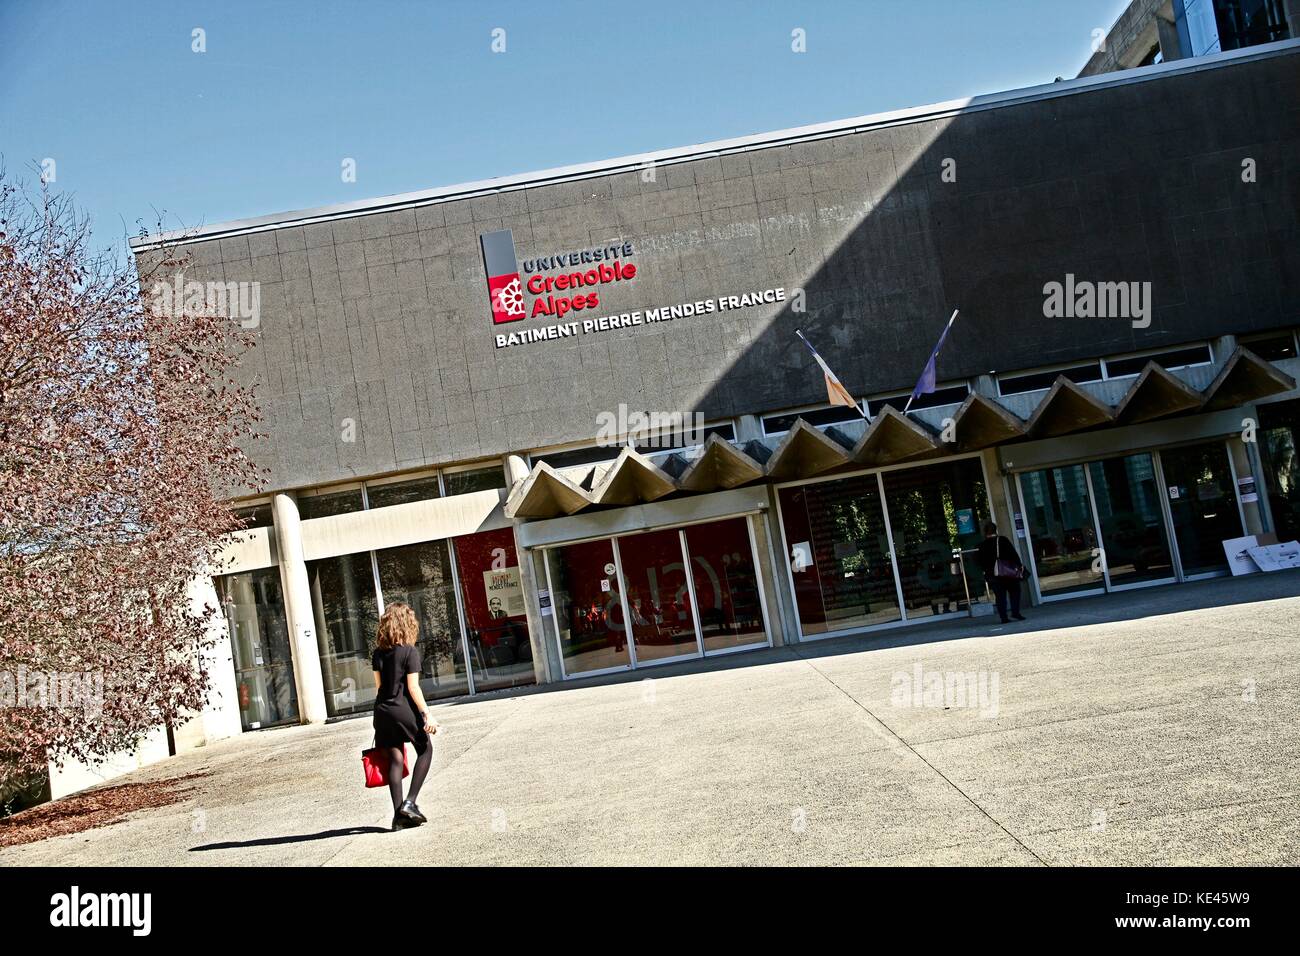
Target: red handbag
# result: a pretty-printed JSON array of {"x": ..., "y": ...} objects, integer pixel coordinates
[{"x": 375, "y": 763}]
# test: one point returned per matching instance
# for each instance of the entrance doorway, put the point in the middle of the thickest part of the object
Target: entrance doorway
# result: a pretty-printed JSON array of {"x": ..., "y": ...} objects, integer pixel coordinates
[
  {"x": 657, "y": 596},
  {"x": 1129, "y": 521},
  {"x": 877, "y": 549},
  {"x": 1203, "y": 504}
]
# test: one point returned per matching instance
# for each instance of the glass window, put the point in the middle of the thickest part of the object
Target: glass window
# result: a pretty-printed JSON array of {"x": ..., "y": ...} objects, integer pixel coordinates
[
  {"x": 933, "y": 510},
  {"x": 253, "y": 605},
  {"x": 776, "y": 424},
  {"x": 327, "y": 505},
  {"x": 1178, "y": 358},
  {"x": 953, "y": 395},
  {"x": 420, "y": 575},
  {"x": 1132, "y": 525},
  {"x": 1272, "y": 348},
  {"x": 1061, "y": 529},
  {"x": 726, "y": 587},
  {"x": 1203, "y": 502},
  {"x": 479, "y": 479},
  {"x": 495, "y": 620},
  {"x": 1279, "y": 447},
  {"x": 1032, "y": 382},
  {"x": 658, "y": 597},
  {"x": 256, "y": 516},
  {"x": 402, "y": 492},
  {"x": 689, "y": 439},
  {"x": 346, "y": 612},
  {"x": 578, "y": 456},
  {"x": 587, "y": 607},
  {"x": 839, "y": 554}
]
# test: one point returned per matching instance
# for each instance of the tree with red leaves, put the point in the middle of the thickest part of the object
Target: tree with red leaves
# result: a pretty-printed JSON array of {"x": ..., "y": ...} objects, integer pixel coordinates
[{"x": 120, "y": 424}]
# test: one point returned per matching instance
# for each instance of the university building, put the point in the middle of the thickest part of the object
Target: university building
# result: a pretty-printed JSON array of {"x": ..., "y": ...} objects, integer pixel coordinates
[{"x": 454, "y": 381}]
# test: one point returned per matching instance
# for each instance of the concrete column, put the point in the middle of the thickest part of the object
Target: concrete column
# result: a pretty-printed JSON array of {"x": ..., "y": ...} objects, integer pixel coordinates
[
  {"x": 778, "y": 574},
  {"x": 298, "y": 611},
  {"x": 538, "y": 623},
  {"x": 1167, "y": 35},
  {"x": 1245, "y": 468}
]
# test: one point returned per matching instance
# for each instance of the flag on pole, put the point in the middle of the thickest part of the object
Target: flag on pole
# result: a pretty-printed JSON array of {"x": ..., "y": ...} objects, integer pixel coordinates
[
  {"x": 836, "y": 393},
  {"x": 925, "y": 384}
]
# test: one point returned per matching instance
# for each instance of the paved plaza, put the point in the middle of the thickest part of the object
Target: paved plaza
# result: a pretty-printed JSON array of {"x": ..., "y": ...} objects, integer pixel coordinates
[{"x": 1147, "y": 727}]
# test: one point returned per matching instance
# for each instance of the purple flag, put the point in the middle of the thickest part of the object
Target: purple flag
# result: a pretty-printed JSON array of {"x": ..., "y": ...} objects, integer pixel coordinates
[{"x": 925, "y": 384}]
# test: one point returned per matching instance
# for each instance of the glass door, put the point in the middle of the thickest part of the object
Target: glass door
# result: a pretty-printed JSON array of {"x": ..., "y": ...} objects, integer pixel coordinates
[
  {"x": 1133, "y": 536},
  {"x": 253, "y": 605},
  {"x": 932, "y": 511},
  {"x": 1062, "y": 531},
  {"x": 726, "y": 585},
  {"x": 588, "y": 607},
  {"x": 1202, "y": 500},
  {"x": 840, "y": 560},
  {"x": 658, "y": 596}
]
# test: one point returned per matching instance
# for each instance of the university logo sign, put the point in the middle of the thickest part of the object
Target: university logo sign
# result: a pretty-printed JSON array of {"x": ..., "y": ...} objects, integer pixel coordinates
[
  {"x": 505, "y": 294},
  {"x": 560, "y": 283}
]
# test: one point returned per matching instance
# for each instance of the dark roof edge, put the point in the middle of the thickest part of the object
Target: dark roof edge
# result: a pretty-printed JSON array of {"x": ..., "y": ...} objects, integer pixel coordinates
[{"x": 683, "y": 154}]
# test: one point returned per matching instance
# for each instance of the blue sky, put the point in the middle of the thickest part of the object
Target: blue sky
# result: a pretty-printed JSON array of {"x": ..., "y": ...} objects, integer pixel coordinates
[{"x": 140, "y": 125}]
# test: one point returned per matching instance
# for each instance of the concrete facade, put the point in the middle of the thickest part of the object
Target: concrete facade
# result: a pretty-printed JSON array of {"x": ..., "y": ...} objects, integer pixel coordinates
[
  {"x": 381, "y": 320},
  {"x": 378, "y": 353}
]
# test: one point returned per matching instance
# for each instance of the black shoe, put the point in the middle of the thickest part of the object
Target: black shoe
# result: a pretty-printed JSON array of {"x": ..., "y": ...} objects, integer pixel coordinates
[
  {"x": 1005, "y": 621},
  {"x": 409, "y": 810},
  {"x": 1018, "y": 617},
  {"x": 401, "y": 822}
]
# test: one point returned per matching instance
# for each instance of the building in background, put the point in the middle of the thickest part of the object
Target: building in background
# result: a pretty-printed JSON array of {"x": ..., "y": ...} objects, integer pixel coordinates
[
  {"x": 1158, "y": 31},
  {"x": 454, "y": 381}
]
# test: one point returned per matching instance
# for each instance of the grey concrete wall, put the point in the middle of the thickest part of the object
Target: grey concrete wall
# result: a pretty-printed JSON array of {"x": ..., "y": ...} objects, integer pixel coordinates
[{"x": 383, "y": 319}]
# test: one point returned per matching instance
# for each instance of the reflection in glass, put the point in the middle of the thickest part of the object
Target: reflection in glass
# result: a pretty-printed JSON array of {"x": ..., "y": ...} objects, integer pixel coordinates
[
  {"x": 1279, "y": 447},
  {"x": 587, "y": 609},
  {"x": 495, "y": 620},
  {"x": 420, "y": 575},
  {"x": 402, "y": 492},
  {"x": 1132, "y": 526},
  {"x": 1060, "y": 525},
  {"x": 1203, "y": 502},
  {"x": 658, "y": 597},
  {"x": 726, "y": 587},
  {"x": 328, "y": 505},
  {"x": 933, "y": 510},
  {"x": 839, "y": 554},
  {"x": 259, "y": 639},
  {"x": 478, "y": 479},
  {"x": 346, "y": 612}
]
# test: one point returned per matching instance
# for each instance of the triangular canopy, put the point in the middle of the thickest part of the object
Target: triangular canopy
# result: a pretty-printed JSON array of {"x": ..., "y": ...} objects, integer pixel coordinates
[
  {"x": 1067, "y": 408},
  {"x": 893, "y": 437},
  {"x": 1155, "y": 394},
  {"x": 803, "y": 452},
  {"x": 720, "y": 465}
]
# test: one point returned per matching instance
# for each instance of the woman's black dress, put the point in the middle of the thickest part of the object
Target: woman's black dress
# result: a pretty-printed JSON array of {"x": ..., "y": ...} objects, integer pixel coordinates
[{"x": 397, "y": 722}]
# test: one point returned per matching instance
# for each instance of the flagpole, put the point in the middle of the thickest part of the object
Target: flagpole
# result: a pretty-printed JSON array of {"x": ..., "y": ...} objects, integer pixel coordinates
[
  {"x": 933, "y": 355},
  {"x": 831, "y": 375}
]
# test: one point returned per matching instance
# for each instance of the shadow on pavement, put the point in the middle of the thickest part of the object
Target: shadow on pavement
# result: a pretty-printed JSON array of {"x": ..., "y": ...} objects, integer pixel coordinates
[
  {"x": 1150, "y": 602},
  {"x": 277, "y": 841}
]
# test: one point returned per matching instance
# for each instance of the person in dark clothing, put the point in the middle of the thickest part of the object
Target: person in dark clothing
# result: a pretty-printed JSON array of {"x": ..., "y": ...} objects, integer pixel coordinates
[
  {"x": 991, "y": 549},
  {"x": 401, "y": 715}
]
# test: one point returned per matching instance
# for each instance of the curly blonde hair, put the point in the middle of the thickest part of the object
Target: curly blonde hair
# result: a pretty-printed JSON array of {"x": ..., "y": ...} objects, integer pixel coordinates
[{"x": 397, "y": 626}]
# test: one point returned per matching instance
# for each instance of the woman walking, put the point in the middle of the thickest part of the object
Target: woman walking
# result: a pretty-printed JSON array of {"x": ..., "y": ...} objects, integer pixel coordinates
[
  {"x": 401, "y": 715},
  {"x": 1002, "y": 569}
]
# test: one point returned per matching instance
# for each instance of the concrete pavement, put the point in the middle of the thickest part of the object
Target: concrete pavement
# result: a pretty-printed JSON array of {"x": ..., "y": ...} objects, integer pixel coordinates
[{"x": 1147, "y": 727}]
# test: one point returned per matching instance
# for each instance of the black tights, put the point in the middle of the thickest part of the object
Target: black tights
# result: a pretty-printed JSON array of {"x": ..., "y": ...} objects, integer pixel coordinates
[{"x": 396, "y": 757}]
